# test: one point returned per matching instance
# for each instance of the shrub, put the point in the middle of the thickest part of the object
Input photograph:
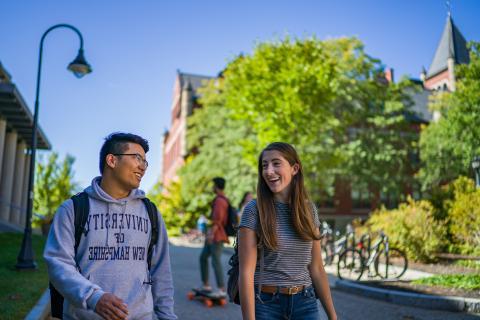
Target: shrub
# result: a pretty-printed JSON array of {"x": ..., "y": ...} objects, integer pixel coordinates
[
  {"x": 464, "y": 217},
  {"x": 412, "y": 228}
]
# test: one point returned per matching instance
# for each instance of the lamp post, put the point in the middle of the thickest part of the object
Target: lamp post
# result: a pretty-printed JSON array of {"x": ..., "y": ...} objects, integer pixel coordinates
[
  {"x": 476, "y": 169},
  {"x": 79, "y": 67}
]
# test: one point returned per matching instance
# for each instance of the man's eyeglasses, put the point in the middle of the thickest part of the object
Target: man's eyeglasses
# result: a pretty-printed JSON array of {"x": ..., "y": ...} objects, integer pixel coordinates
[{"x": 138, "y": 157}]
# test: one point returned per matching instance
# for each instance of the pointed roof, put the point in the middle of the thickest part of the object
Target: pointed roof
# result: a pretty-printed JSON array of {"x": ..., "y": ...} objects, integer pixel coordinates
[
  {"x": 452, "y": 45},
  {"x": 192, "y": 81}
]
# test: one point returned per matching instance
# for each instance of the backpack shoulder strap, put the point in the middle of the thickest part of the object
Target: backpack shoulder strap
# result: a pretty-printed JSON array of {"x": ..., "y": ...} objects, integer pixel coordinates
[
  {"x": 229, "y": 207},
  {"x": 153, "y": 215},
  {"x": 224, "y": 198},
  {"x": 81, "y": 209}
]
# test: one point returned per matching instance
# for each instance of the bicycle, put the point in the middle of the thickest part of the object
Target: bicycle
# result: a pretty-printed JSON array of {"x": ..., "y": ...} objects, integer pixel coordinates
[
  {"x": 388, "y": 262},
  {"x": 331, "y": 247}
]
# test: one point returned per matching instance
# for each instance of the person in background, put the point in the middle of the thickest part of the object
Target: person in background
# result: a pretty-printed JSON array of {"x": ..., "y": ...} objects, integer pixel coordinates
[
  {"x": 216, "y": 237},
  {"x": 202, "y": 224},
  {"x": 247, "y": 197}
]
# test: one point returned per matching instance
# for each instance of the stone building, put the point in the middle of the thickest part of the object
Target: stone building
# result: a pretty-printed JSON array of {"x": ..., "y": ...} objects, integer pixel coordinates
[{"x": 16, "y": 121}]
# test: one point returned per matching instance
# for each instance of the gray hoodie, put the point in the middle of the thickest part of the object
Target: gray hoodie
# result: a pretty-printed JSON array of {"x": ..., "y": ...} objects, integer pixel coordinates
[{"x": 112, "y": 257}]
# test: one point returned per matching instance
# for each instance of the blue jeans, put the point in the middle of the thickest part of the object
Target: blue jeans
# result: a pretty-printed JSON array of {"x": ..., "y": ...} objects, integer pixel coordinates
[
  {"x": 276, "y": 306},
  {"x": 215, "y": 250}
]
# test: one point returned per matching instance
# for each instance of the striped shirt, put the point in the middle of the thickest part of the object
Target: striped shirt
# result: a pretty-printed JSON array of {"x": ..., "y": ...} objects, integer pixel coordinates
[{"x": 288, "y": 266}]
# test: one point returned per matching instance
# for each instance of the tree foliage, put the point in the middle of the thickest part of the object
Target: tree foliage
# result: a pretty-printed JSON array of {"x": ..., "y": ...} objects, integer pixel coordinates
[
  {"x": 54, "y": 183},
  {"x": 171, "y": 205},
  {"x": 448, "y": 145},
  {"x": 215, "y": 138},
  {"x": 327, "y": 98}
]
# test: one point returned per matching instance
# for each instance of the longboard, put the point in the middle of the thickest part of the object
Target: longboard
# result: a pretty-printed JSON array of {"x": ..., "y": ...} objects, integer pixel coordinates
[{"x": 206, "y": 298}]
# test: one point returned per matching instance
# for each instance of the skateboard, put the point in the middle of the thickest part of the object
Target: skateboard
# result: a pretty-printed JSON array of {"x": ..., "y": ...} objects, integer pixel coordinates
[{"x": 206, "y": 298}]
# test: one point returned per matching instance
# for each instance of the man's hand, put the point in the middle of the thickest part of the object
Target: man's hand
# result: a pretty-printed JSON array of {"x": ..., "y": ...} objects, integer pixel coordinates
[{"x": 111, "y": 307}]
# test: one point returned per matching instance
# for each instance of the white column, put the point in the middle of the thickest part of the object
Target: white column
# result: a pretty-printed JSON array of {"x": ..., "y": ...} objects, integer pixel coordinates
[
  {"x": 16, "y": 212},
  {"x": 7, "y": 175},
  {"x": 3, "y": 128},
  {"x": 26, "y": 176}
]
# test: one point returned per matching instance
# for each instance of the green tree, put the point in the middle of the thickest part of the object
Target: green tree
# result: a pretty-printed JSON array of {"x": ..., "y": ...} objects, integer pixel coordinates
[
  {"x": 54, "y": 183},
  {"x": 171, "y": 205},
  {"x": 328, "y": 98},
  {"x": 448, "y": 145},
  {"x": 215, "y": 141}
]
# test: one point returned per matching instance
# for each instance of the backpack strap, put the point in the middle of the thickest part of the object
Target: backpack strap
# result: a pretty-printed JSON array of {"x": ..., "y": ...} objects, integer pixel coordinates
[
  {"x": 153, "y": 215},
  {"x": 228, "y": 207},
  {"x": 81, "y": 209},
  {"x": 262, "y": 265}
]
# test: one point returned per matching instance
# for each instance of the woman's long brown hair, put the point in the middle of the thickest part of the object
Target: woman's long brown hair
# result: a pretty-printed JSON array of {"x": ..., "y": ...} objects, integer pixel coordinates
[{"x": 300, "y": 204}]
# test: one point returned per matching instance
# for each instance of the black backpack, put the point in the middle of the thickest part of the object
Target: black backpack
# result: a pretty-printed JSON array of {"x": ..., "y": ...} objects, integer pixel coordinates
[
  {"x": 233, "y": 291},
  {"x": 232, "y": 219},
  {"x": 81, "y": 209}
]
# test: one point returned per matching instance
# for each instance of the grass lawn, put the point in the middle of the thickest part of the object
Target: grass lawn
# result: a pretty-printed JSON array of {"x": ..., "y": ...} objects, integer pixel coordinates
[
  {"x": 460, "y": 281},
  {"x": 20, "y": 290}
]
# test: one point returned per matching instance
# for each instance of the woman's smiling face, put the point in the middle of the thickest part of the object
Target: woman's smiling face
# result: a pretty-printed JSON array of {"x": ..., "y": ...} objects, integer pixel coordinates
[{"x": 278, "y": 173}]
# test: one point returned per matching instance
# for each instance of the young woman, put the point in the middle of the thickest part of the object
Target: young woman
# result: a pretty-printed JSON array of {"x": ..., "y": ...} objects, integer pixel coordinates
[{"x": 285, "y": 224}]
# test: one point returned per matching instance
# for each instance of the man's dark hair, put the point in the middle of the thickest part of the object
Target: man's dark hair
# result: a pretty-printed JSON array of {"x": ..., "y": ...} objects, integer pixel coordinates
[
  {"x": 117, "y": 143},
  {"x": 219, "y": 183}
]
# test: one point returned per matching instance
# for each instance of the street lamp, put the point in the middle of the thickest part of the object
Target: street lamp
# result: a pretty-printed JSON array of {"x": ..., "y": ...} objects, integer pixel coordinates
[
  {"x": 79, "y": 67},
  {"x": 476, "y": 169}
]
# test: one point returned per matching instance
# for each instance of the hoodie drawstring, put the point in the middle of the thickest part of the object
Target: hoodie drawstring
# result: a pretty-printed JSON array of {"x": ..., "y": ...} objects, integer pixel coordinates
[{"x": 108, "y": 226}]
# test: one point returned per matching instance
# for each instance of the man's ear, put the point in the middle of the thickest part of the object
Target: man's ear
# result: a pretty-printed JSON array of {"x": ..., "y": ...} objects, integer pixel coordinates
[{"x": 111, "y": 160}]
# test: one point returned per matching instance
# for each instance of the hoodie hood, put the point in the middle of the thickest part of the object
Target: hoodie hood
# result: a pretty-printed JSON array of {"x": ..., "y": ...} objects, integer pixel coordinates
[{"x": 96, "y": 192}]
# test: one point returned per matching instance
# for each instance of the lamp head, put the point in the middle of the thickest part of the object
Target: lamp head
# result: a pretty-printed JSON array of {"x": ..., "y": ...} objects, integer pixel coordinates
[
  {"x": 476, "y": 162},
  {"x": 79, "y": 66}
]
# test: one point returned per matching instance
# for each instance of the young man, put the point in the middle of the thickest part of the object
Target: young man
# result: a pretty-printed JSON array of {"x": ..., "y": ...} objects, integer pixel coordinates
[
  {"x": 108, "y": 277},
  {"x": 216, "y": 236}
]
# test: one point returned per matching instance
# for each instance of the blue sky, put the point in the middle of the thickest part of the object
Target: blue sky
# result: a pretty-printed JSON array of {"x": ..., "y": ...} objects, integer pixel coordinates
[{"x": 135, "y": 48}]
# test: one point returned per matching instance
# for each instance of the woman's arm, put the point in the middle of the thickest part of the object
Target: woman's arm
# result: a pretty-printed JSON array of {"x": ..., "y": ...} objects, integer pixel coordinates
[
  {"x": 320, "y": 281},
  {"x": 247, "y": 254}
]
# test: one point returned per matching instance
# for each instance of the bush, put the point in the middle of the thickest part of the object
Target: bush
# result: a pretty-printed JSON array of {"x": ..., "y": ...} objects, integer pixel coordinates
[
  {"x": 412, "y": 228},
  {"x": 464, "y": 217}
]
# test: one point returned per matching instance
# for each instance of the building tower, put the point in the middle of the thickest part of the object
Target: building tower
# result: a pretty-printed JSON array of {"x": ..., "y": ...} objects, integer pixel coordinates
[{"x": 451, "y": 51}]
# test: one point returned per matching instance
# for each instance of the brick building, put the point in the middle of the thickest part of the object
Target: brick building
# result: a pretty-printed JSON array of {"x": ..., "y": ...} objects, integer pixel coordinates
[{"x": 185, "y": 95}]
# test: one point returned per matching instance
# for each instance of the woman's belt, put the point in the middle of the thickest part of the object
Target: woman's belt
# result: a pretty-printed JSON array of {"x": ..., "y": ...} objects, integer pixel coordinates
[{"x": 284, "y": 290}]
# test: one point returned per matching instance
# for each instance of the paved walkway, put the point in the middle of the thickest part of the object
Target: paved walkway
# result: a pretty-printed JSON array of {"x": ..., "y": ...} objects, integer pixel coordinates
[
  {"x": 184, "y": 257},
  {"x": 410, "y": 274}
]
